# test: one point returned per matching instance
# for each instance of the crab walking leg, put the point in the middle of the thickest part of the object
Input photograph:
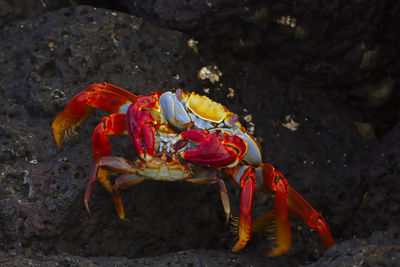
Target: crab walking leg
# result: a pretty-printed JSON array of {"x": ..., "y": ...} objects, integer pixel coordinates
[
  {"x": 97, "y": 96},
  {"x": 273, "y": 182},
  {"x": 312, "y": 218},
  {"x": 122, "y": 182},
  {"x": 115, "y": 124},
  {"x": 100, "y": 171},
  {"x": 247, "y": 181},
  {"x": 287, "y": 203},
  {"x": 211, "y": 178}
]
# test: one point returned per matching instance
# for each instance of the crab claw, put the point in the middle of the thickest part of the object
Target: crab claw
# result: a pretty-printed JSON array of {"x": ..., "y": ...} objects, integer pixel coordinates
[
  {"x": 140, "y": 124},
  {"x": 215, "y": 149},
  {"x": 107, "y": 97}
]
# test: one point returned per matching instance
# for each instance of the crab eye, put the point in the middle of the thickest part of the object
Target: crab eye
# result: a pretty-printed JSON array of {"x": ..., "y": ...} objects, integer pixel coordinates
[
  {"x": 178, "y": 94},
  {"x": 233, "y": 119}
]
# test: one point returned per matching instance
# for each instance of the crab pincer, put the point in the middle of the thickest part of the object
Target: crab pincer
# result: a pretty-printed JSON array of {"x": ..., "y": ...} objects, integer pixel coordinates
[
  {"x": 140, "y": 123},
  {"x": 214, "y": 149}
]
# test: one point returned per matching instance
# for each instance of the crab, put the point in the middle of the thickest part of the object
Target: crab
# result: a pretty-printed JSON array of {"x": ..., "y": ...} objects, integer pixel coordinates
[{"x": 186, "y": 137}]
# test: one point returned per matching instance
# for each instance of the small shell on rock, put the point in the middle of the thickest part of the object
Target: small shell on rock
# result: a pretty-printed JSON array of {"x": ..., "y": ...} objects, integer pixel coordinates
[{"x": 290, "y": 123}]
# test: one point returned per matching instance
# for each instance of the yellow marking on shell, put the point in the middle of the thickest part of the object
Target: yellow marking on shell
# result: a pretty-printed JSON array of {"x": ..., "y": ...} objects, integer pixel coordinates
[{"x": 207, "y": 109}]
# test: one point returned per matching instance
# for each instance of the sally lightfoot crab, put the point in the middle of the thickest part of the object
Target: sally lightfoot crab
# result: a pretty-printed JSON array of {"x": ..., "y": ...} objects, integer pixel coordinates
[{"x": 185, "y": 136}]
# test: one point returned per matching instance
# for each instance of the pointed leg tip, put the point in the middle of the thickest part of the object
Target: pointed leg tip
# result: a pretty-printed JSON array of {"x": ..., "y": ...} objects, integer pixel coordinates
[
  {"x": 228, "y": 216},
  {"x": 126, "y": 220},
  {"x": 58, "y": 140},
  {"x": 238, "y": 246},
  {"x": 278, "y": 251},
  {"x": 87, "y": 206}
]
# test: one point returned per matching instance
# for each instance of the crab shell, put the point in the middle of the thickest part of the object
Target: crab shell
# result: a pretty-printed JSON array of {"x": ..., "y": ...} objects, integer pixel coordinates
[{"x": 182, "y": 111}]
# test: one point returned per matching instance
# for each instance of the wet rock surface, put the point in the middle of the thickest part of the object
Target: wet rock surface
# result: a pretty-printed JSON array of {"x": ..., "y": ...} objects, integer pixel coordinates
[{"x": 46, "y": 60}]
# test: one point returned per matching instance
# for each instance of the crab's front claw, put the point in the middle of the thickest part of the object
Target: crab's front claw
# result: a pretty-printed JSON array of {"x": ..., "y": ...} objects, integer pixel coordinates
[
  {"x": 214, "y": 149},
  {"x": 140, "y": 124},
  {"x": 107, "y": 97}
]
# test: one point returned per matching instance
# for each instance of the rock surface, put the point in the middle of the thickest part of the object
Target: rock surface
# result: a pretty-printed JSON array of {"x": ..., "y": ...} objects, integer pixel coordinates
[
  {"x": 46, "y": 60},
  {"x": 381, "y": 249}
]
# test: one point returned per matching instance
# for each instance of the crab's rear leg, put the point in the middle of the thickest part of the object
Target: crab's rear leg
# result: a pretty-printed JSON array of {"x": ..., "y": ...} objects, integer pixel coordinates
[
  {"x": 313, "y": 219},
  {"x": 105, "y": 96},
  {"x": 287, "y": 202},
  {"x": 122, "y": 182},
  {"x": 245, "y": 177},
  {"x": 210, "y": 177},
  {"x": 102, "y": 169}
]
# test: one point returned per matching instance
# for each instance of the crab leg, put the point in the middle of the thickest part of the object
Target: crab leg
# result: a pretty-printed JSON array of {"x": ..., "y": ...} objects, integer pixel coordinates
[
  {"x": 97, "y": 96},
  {"x": 122, "y": 182},
  {"x": 312, "y": 218},
  {"x": 102, "y": 169},
  {"x": 212, "y": 178},
  {"x": 287, "y": 201},
  {"x": 245, "y": 178},
  {"x": 115, "y": 124}
]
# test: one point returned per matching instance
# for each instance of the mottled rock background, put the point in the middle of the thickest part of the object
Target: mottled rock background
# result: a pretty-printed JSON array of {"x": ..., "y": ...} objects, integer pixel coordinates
[{"x": 331, "y": 65}]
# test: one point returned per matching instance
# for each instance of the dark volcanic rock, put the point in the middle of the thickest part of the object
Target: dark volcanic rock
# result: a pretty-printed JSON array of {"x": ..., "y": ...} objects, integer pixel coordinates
[
  {"x": 186, "y": 15},
  {"x": 381, "y": 249},
  {"x": 345, "y": 46},
  {"x": 15, "y": 10},
  {"x": 45, "y": 61},
  {"x": 182, "y": 258}
]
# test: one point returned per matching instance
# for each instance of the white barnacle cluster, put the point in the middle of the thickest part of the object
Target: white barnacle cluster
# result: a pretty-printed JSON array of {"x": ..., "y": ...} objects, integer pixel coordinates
[
  {"x": 251, "y": 127},
  {"x": 287, "y": 21},
  {"x": 211, "y": 73}
]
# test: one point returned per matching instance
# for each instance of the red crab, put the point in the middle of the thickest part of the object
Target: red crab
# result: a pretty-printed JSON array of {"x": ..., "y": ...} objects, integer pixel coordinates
[{"x": 185, "y": 136}]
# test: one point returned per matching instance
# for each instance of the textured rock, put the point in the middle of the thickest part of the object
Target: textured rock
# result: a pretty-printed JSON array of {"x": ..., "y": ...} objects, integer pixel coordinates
[
  {"x": 344, "y": 46},
  {"x": 182, "y": 258},
  {"x": 381, "y": 249},
  {"x": 16, "y": 10},
  {"x": 45, "y": 61}
]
